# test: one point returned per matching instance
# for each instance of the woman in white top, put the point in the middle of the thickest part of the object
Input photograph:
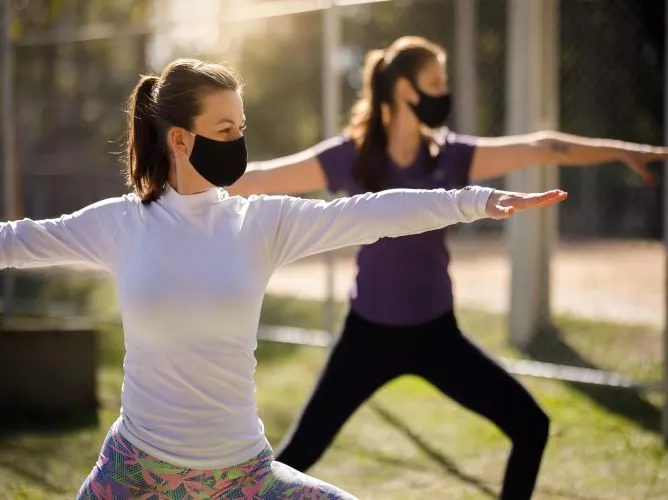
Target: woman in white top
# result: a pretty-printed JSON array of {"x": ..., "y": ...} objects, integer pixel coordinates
[{"x": 191, "y": 264}]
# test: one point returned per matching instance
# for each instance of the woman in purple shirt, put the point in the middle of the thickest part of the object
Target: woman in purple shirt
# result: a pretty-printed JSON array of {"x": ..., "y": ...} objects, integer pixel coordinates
[{"x": 401, "y": 318}]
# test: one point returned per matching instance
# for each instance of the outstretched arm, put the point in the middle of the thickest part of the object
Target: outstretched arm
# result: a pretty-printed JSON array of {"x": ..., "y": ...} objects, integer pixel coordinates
[
  {"x": 495, "y": 157},
  {"x": 85, "y": 236},
  {"x": 295, "y": 174},
  {"x": 305, "y": 227}
]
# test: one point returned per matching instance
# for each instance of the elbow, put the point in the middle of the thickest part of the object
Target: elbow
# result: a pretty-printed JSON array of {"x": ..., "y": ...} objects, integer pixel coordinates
[
  {"x": 546, "y": 135},
  {"x": 549, "y": 147}
]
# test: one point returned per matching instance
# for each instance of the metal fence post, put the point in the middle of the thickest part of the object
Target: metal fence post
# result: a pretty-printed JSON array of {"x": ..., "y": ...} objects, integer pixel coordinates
[
  {"x": 331, "y": 105},
  {"x": 531, "y": 104},
  {"x": 8, "y": 142},
  {"x": 664, "y": 416},
  {"x": 466, "y": 76}
]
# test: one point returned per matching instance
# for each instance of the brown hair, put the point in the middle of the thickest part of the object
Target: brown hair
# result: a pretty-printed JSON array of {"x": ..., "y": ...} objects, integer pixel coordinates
[
  {"x": 405, "y": 58},
  {"x": 158, "y": 103}
]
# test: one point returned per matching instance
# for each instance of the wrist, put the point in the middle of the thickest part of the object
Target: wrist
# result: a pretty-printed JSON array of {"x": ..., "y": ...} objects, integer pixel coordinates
[
  {"x": 473, "y": 201},
  {"x": 621, "y": 155}
]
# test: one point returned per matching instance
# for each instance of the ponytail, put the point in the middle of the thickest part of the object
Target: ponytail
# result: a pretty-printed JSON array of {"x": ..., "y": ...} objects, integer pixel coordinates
[
  {"x": 147, "y": 161},
  {"x": 404, "y": 58},
  {"x": 367, "y": 127}
]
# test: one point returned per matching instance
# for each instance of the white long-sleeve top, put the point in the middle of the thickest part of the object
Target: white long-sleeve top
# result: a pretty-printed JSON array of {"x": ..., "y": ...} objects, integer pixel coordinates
[{"x": 191, "y": 272}]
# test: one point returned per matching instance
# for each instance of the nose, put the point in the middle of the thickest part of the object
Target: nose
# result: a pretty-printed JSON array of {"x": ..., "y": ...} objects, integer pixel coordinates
[{"x": 236, "y": 133}]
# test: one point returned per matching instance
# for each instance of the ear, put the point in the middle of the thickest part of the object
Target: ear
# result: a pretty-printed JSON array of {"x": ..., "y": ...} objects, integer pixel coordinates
[
  {"x": 180, "y": 141},
  {"x": 405, "y": 92}
]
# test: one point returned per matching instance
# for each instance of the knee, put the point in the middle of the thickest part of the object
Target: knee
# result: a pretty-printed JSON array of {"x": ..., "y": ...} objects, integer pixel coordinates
[
  {"x": 541, "y": 424},
  {"x": 533, "y": 428}
]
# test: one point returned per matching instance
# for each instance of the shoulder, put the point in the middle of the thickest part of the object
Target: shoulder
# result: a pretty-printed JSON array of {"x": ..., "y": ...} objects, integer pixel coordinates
[
  {"x": 446, "y": 137},
  {"x": 115, "y": 206},
  {"x": 272, "y": 206},
  {"x": 455, "y": 157},
  {"x": 259, "y": 203},
  {"x": 337, "y": 156},
  {"x": 341, "y": 145},
  {"x": 454, "y": 148},
  {"x": 342, "y": 140},
  {"x": 266, "y": 213}
]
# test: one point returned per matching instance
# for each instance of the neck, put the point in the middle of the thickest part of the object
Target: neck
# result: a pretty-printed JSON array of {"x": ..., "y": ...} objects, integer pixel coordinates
[
  {"x": 403, "y": 137},
  {"x": 187, "y": 184}
]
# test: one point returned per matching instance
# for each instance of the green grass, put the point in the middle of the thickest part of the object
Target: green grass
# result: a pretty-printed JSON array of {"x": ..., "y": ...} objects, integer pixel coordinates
[{"x": 409, "y": 442}]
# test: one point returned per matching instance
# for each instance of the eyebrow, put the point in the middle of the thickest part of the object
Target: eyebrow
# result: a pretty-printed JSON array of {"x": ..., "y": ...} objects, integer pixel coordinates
[{"x": 227, "y": 120}]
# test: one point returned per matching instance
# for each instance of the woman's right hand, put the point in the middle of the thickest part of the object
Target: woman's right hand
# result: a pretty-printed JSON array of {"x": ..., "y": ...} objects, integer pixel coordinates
[{"x": 502, "y": 204}]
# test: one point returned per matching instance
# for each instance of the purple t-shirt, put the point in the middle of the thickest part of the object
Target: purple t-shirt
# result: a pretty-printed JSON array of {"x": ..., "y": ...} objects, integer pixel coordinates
[{"x": 402, "y": 281}]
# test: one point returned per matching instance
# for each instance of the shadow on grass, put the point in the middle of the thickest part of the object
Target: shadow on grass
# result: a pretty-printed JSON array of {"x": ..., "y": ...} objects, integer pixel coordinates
[
  {"x": 550, "y": 346},
  {"x": 25, "y": 459},
  {"x": 46, "y": 423},
  {"x": 382, "y": 458},
  {"x": 34, "y": 477},
  {"x": 446, "y": 463},
  {"x": 559, "y": 493}
]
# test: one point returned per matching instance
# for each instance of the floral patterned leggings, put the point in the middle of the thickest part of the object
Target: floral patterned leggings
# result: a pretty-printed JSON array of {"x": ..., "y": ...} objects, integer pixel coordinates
[{"x": 125, "y": 472}]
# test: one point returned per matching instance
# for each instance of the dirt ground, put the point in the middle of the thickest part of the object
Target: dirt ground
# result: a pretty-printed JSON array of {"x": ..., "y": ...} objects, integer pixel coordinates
[{"x": 618, "y": 281}]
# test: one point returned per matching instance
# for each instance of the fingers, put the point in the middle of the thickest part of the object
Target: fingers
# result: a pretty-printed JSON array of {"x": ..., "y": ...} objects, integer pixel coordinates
[
  {"x": 640, "y": 167},
  {"x": 506, "y": 211},
  {"x": 523, "y": 201},
  {"x": 501, "y": 212},
  {"x": 648, "y": 178},
  {"x": 503, "y": 204},
  {"x": 548, "y": 195},
  {"x": 639, "y": 162}
]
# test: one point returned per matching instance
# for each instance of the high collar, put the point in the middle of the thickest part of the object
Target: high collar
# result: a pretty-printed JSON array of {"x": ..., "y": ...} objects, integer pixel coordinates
[{"x": 193, "y": 201}]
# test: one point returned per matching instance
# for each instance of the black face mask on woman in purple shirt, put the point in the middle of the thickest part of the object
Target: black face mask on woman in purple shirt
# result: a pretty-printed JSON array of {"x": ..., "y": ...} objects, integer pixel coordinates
[{"x": 431, "y": 110}]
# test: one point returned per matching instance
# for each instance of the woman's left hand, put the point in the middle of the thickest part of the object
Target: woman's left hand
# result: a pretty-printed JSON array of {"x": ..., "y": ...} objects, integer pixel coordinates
[
  {"x": 638, "y": 160},
  {"x": 502, "y": 204}
]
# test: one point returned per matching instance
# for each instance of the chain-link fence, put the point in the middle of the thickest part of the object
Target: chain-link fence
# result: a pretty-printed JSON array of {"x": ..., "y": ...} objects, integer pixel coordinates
[
  {"x": 70, "y": 94},
  {"x": 76, "y": 60},
  {"x": 69, "y": 99},
  {"x": 612, "y": 86}
]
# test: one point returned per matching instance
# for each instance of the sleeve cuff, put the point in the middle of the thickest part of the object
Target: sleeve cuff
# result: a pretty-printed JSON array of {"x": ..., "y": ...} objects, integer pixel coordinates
[{"x": 473, "y": 201}]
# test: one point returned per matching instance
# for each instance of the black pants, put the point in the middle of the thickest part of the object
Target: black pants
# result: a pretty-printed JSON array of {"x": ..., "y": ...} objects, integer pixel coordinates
[{"x": 368, "y": 355}]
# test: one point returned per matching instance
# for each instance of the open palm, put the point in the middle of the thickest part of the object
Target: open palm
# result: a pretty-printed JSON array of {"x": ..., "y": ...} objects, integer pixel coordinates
[{"x": 502, "y": 204}]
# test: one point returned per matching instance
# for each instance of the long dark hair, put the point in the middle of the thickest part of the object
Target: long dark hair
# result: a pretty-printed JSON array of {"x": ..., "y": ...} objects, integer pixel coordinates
[
  {"x": 405, "y": 58},
  {"x": 158, "y": 103}
]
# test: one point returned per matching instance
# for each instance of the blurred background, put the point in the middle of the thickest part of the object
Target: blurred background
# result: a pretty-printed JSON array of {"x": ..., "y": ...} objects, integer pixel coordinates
[{"x": 68, "y": 66}]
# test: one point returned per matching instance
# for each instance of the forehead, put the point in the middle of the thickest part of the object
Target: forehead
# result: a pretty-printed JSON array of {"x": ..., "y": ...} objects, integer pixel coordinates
[
  {"x": 221, "y": 105},
  {"x": 433, "y": 69}
]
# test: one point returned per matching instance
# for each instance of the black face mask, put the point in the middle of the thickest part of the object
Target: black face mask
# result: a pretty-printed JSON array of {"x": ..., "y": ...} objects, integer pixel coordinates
[
  {"x": 432, "y": 110},
  {"x": 222, "y": 163}
]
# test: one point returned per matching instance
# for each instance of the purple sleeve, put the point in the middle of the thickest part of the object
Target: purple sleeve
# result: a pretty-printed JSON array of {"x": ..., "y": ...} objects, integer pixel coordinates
[
  {"x": 337, "y": 157},
  {"x": 455, "y": 158}
]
